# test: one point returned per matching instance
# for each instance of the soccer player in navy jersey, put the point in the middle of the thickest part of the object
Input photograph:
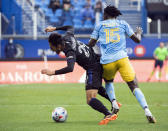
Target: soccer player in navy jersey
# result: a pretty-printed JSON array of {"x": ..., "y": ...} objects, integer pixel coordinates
[{"x": 76, "y": 51}]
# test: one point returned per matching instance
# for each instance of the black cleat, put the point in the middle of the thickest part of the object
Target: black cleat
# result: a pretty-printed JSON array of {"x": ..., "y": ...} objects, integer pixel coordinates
[
  {"x": 114, "y": 110},
  {"x": 151, "y": 119}
]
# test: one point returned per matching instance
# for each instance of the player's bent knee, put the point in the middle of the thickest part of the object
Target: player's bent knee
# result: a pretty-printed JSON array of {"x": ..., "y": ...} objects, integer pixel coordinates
[
  {"x": 129, "y": 77},
  {"x": 108, "y": 80},
  {"x": 133, "y": 84},
  {"x": 89, "y": 99},
  {"x": 91, "y": 94}
]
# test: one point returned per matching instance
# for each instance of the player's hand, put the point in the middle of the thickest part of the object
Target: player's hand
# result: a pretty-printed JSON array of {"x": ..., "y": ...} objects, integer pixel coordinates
[
  {"x": 139, "y": 30},
  {"x": 50, "y": 29},
  {"x": 47, "y": 72},
  {"x": 156, "y": 57}
]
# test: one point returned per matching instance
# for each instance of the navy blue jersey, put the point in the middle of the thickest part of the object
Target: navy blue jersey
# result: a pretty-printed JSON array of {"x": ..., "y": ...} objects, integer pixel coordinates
[
  {"x": 79, "y": 52},
  {"x": 76, "y": 51}
]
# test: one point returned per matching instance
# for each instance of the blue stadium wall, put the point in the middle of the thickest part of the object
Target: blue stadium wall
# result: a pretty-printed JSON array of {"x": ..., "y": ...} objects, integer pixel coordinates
[
  {"x": 34, "y": 48},
  {"x": 10, "y": 8}
]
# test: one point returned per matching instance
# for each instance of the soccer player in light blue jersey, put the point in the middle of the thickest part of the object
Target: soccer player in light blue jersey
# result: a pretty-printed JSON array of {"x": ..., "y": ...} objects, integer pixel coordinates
[{"x": 111, "y": 34}]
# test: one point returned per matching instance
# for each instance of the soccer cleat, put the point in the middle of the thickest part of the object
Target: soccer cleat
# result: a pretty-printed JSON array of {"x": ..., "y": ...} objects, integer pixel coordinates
[
  {"x": 114, "y": 110},
  {"x": 119, "y": 104},
  {"x": 107, "y": 119},
  {"x": 151, "y": 119}
]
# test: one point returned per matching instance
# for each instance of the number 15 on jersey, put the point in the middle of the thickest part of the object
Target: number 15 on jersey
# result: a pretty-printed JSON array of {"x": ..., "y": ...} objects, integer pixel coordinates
[{"x": 112, "y": 35}]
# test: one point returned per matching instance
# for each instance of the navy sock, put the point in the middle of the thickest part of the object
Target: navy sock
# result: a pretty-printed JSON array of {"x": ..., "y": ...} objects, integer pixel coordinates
[
  {"x": 103, "y": 93},
  {"x": 97, "y": 105}
]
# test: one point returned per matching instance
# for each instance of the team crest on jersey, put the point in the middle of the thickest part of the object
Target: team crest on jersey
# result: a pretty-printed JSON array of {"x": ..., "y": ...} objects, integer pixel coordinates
[{"x": 70, "y": 57}]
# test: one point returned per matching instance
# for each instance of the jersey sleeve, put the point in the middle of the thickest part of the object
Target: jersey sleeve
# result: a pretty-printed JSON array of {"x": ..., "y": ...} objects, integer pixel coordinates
[
  {"x": 71, "y": 58},
  {"x": 95, "y": 33},
  {"x": 156, "y": 51},
  {"x": 129, "y": 31},
  {"x": 70, "y": 31},
  {"x": 70, "y": 55}
]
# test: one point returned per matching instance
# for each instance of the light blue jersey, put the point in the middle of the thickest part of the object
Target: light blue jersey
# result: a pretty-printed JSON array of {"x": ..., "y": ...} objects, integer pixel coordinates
[{"x": 111, "y": 34}]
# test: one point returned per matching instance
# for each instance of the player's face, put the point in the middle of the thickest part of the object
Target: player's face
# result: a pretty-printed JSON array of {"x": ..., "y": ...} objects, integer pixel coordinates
[
  {"x": 161, "y": 45},
  {"x": 57, "y": 49}
]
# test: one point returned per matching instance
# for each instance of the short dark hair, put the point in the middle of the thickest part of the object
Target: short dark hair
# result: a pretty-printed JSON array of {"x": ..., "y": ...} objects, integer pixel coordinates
[
  {"x": 55, "y": 39},
  {"x": 112, "y": 11}
]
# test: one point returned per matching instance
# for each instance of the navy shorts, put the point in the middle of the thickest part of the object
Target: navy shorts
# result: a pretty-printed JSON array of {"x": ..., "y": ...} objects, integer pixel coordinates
[
  {"x": 158, "y": 63},
  {"x": 94, "y": 77}
]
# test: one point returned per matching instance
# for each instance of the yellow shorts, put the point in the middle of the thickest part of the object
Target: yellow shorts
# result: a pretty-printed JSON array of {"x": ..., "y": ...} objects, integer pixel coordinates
[{"x": 123, "y": 66}]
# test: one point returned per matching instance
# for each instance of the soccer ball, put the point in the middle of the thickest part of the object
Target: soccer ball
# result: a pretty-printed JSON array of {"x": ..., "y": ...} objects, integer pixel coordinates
[{"x": 59, "y": 114}]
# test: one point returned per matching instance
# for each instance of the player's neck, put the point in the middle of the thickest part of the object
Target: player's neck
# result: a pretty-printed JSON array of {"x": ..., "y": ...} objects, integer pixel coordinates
[{"x": 111, "y": 18}]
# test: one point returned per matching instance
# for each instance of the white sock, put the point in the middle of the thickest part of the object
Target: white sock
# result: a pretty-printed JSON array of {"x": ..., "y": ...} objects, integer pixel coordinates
[
  {"x": 147, "y": 112},
  {"x": 115, "y": 105}
]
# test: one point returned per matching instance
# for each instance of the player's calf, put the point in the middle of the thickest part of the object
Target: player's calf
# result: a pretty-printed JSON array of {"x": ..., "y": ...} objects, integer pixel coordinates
[
  {"x": 95, "y": 103},
  {"x": 103, "y": 93},
  {"x": 141, "y": 99},
  {"x": 98, "y": 105}
]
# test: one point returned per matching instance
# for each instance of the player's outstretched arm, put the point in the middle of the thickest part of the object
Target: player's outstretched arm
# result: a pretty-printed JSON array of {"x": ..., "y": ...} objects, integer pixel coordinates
[
  {"x": 65, "y": 28},
  {"x": 57, "y": 72},
  {"x": 47, "y": 72},
  {"x": 51, "y": 29},
  {"x": 67, "y": 69},
  {"x": 137, "y": 36}
]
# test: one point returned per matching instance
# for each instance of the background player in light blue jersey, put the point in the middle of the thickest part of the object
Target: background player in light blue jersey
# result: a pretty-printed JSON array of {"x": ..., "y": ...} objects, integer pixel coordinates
[{"x": 111, "y": 34}]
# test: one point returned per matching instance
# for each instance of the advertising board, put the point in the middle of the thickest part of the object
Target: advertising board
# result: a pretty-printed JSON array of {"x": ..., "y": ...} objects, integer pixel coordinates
[{"x": 29, "y": 72}]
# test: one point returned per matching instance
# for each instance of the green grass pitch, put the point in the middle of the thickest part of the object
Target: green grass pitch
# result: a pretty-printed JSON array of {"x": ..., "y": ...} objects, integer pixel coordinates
[{"x": 28, "y": 108}]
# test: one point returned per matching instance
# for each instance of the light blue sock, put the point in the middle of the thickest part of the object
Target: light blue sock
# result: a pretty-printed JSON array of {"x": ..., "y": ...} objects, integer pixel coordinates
[
  {"x": 140, "y": 97},
  {"x": 110, "y": 91}
]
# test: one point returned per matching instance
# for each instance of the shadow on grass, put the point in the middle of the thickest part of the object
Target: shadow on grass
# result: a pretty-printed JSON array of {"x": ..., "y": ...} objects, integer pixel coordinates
[
  {"x": 116, "y": 122},
  {"x": 75, "y": 123}
]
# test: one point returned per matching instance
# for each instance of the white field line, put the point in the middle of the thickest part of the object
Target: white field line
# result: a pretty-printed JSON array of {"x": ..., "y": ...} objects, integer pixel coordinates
[{"x": 7, "y": 105}]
